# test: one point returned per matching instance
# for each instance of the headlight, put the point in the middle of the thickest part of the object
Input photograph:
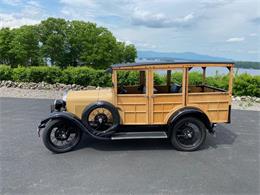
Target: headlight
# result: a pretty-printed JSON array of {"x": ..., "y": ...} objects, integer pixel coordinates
[
  {"x": 59, "y": 104},
  {"x": 64, "y": 97}
]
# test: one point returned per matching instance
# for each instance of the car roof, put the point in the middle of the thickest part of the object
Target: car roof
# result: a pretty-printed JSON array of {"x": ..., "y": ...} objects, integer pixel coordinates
[{"x": 167, "y": 63}]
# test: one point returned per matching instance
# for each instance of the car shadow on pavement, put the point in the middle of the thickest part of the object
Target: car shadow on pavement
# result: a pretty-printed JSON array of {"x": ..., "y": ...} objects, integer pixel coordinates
[
  {"x": 121, "y": 145},
  {"x": 224, "y": 136}
]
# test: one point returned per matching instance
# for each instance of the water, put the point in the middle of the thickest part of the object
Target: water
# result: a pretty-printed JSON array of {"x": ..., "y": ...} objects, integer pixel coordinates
[{"x": 212, "y": 71}]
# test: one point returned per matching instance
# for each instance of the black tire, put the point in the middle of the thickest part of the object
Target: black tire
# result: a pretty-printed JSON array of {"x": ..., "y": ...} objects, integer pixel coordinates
[
  {"x": 60, "y": 125},
  {"x": 111, "y": 122},
  {"x": 188, "y": 134}
]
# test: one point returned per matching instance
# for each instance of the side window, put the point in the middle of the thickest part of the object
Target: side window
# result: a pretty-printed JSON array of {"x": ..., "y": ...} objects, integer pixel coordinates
[
  {"x": 208, "y": 79},
  {"x": 168, "y": 81},
  {"x": 131, "y": 82}
]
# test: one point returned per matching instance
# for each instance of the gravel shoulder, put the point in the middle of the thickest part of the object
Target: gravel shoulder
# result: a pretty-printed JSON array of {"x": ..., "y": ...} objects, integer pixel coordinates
[
  {"x": 31, "y": 93},
  {"x": 57, "y": 94}
]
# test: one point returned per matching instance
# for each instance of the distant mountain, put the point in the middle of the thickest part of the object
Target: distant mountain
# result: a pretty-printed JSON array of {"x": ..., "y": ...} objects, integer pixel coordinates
[{"x": 189, "y": 56}]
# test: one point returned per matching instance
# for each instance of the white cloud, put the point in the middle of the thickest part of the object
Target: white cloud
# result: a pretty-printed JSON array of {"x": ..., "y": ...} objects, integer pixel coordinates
[
  {"x": 254, "y": 52},
  {"x": 13, "y": 21},
  {"x": 12, "y": 2},
  {"x": 30, "y": 13},
  {"x": 145, "y": 46},
  {"x": 32, "y": 9},
  {"x": 159, "y": 20},
  {"x": 139, "y": 44},
  {"x": 215, "y": 3},
  {"x": 79, "y": 3},
  {"x": 127, "y": 42},
  {"x": 235, "y": 39},
  {"x": 209, "y": 22},
  {"x": 252, "y": 34}
]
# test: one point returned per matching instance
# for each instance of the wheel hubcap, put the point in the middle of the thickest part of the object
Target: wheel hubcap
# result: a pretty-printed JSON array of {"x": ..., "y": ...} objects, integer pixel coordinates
[
  {"x": 100, "y": 119},
  {"x": 188, "y": 134},
  {"x": 62, "y": 136}
]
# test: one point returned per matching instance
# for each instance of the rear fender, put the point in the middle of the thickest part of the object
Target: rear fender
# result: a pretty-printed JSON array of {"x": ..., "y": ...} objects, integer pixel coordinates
[{"x": 191, "y": 111}]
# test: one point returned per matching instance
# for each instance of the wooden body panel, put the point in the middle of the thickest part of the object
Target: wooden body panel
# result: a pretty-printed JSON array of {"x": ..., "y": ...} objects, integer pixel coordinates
[
  {"x": 133, "y": 109},
  {"x": 215, "y": 105},
  {"x": 162, "y": 104},
  {"x": 152, "y": 108}
]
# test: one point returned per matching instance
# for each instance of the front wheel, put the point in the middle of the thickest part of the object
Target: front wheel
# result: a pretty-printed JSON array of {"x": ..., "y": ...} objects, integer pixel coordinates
[
  {"x": 59, "y": 136},
  {"x": 188, "y": 134}
]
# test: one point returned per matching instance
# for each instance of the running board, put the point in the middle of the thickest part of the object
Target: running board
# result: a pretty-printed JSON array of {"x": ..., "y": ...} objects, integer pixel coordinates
[{"x": 140, "y": 135}]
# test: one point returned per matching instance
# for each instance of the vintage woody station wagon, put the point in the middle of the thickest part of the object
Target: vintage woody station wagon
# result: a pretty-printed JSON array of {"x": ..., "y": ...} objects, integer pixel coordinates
[{"x": 181, "y": 112}]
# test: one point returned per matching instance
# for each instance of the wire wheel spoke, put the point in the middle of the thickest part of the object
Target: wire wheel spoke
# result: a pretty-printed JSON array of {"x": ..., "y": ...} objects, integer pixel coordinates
[
  {"x": 100, "y": 119},
  {"x": 62, "y": 136}
]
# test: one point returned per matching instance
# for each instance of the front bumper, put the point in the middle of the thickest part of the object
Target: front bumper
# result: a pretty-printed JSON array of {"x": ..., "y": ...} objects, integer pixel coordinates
[
  {"x": 43, "y": 123},
  {"x": 40, "y": 127}
]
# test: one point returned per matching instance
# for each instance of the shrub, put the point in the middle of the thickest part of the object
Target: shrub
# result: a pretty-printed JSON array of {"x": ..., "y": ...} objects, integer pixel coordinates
[
  {"x": 244, "y": 84},
  {"x": 103, "y": 79},
  {"x": 218, "y": 81},
  {"x": 177, "y": 77},
  {"x": 128, "y": 77},
  {"x": 78, "y": 75},
  {"x": 195, "y": 78},
  {"x": 52, "y": 74},
  {"x": 20, "y": 74},
  {"x": 5, "y": 72},
  {"x": 44, "y": 73}
]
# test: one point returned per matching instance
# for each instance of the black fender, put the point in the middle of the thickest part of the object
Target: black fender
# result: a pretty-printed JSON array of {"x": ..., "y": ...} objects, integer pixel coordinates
[
  {"x": 71, "y": 118},
  {"x": 191, "y": 111}
]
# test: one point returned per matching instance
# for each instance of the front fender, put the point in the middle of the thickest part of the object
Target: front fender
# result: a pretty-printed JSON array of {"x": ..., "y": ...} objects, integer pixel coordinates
[{"x": 69, "y": 117}]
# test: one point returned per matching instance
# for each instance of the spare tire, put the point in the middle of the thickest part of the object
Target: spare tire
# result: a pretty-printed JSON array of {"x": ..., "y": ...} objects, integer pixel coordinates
[{"x": 101, "y": 119}]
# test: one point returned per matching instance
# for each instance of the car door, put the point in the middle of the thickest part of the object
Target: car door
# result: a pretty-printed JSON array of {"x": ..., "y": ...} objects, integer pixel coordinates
[
  {"x": 133, "y": 104},
  {"x": 162, "y": 99}
]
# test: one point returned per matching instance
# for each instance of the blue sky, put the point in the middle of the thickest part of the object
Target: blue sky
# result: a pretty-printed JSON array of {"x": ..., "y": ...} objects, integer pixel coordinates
[{"x": 226, "y": 28}]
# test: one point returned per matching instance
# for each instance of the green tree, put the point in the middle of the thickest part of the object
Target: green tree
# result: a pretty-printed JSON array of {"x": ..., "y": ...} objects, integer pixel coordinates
[
  {"x": 54, "y": 46},
  {"x": 81, "y": 39},
  {"x": 99, "y": 48},
  {"x": 125, "y": 53},
  {"x": 6, "y": 36},
  {"x": 96, "y": 46},
  {"x": 63, "y": 43},
  {"x": 25, "y": 46},
  {"x": 130, "y": 53}
]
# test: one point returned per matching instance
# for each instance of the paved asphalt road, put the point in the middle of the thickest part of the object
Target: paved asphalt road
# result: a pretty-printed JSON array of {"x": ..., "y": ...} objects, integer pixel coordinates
[{"x": 228, "y": 164}]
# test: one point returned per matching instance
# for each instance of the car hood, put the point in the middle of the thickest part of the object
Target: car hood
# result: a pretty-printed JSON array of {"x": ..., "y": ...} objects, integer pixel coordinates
[{"x": 77, "y": 100}]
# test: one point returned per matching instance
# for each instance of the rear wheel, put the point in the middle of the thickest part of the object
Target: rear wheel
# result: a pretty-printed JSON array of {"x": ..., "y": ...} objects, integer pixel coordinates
[
  {"x": 59, "y": 136},
  {"x": 188, "y": 134}
]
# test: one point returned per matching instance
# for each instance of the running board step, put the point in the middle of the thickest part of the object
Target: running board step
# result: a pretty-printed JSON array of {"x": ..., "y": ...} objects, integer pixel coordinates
[{"x": 140, "y": 135}]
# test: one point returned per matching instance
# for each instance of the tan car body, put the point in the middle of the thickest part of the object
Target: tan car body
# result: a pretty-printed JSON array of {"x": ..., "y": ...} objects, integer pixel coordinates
[
  {"x": 78, "y": 100},
  {"x": 156, "y": 109}
]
